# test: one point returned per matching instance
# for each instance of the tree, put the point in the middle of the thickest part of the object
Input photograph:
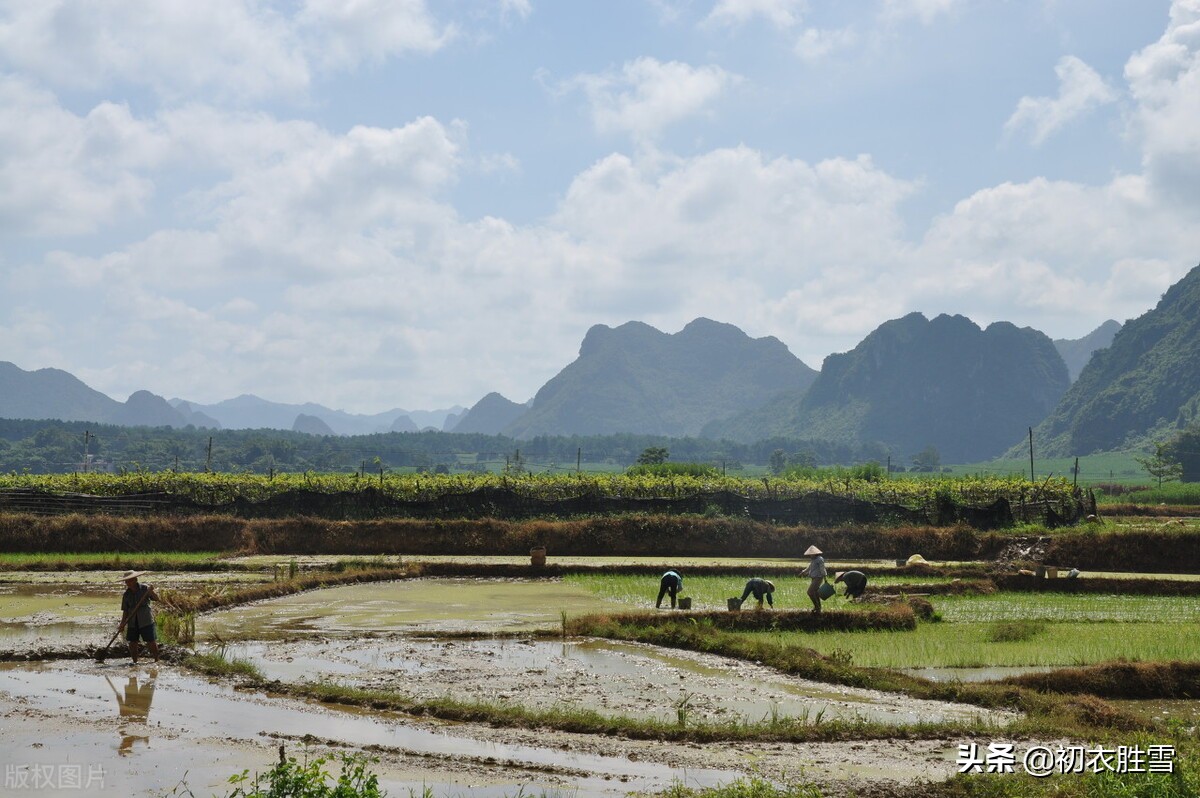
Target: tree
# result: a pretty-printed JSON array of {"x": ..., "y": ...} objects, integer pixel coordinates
[
  {"x": 1185, "y": 449},
  {"x": 653, "y": 455},
  {"x": 928, "y": 459},
  {"x": 1163, "y": 466},
  {"x": 778, "y": 462}
]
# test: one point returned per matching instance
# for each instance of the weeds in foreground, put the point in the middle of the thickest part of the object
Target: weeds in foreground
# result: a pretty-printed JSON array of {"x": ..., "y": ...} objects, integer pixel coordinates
[
  {"x": 215, "y": 663},
  {"x": 310, "y": 779},
  {"x": 752, "y": 787}
]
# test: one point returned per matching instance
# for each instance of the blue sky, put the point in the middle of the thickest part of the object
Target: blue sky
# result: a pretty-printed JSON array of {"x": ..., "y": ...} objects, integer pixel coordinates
[{"x": 373, "y": 204}]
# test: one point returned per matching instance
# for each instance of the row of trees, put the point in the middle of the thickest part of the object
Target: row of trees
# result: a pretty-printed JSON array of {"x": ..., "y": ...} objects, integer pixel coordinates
[{"x": 47, "y": 447}]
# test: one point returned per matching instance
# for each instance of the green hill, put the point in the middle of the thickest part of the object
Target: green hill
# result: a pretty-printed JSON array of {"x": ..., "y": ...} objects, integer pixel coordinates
[
  {"x": 1145, "y": 384},
  {"x": 636, "y": 379},
  {"x": 914, "y": 383}
]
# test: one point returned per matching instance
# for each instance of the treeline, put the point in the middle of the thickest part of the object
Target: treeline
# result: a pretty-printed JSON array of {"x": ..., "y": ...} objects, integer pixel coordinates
[{"x": 54, "y": 447}]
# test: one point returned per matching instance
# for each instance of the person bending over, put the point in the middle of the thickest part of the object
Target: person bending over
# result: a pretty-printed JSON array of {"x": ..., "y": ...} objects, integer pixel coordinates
[
  {"x": 855, "y": 581},
  {"x": 671, "y": 583},
  {"x": 760, "y": 588}
]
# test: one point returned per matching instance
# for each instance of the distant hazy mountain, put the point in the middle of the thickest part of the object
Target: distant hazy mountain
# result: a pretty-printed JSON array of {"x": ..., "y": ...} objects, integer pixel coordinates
[
  {"x": 252, "y": 412},
  {"x": 403, "y": 424},
  {"x": 195, "y": 417},
  {"x": 1147, "y": 382},
  {"x": 490, "y": 415},
  {"x": 311, "y": 425},
  {"x": 1076, "y": 353},
  {"x": 451, "y": 421},
  {"x": 915, "y": 382},
  {"x": 637, "y": 379},
  {"x": 52, "y": 393}
]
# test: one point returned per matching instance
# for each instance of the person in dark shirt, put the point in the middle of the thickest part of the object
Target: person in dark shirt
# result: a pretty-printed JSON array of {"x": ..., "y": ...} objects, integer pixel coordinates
[
  {"x": 855, "y": 581},
  {"x": 761, "y": 588},
  {"x": 135, "y": 609},
  {"x": 671, "y": 583}
]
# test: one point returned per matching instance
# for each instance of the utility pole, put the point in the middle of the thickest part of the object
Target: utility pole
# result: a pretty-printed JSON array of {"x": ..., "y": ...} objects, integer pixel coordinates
[
  {"x": 1031, "y": 478},
  {"x": 208, "y": 460},
  {"x": 1075, "y": 482},
  {"x": 578, "y": 460},
  {"x": 87, "y": 437}
]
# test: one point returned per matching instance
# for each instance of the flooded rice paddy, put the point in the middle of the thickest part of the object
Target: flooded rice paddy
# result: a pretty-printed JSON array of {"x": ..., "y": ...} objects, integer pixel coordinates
[{"x": 146, "y": 727}]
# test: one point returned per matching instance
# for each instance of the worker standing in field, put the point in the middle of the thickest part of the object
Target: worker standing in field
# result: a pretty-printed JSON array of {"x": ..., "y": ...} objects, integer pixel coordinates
[
  {"x": 671, "y": 583},
  {"x": 855, "y": 581},
  {"x": 816, "y": 573},
  {"x": 760, "y": 588},
  {"x": 135, "y": 611}
]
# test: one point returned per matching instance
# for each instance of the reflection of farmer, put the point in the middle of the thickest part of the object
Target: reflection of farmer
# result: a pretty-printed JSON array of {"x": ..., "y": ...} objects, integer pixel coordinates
[
  {"x": 134, "y": 707},
  {"x": 135, "y": 609},
  {"x": 761, "y": 588},
  {"x": 671, "y": 583},
  {"x": 855, "y": 581},
  {"x": 816, "y": 573}
]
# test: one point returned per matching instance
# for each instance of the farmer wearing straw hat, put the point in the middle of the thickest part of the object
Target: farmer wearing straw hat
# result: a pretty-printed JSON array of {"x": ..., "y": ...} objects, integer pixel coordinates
[
  {"x": 135, "y": 608},
  {"x": 816, "y": 573}
]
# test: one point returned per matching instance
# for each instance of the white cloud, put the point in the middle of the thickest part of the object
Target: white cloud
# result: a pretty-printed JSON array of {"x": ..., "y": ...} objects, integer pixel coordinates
[
  {"x": 345, "y": 33},
  {"x": 780, "y": 13},
  {"x": 521, "y": 8},
  {"x": 63, "y": 174},
  {"x": 235, "y": 48},
  {"x": 1080, "y": 90},
  {"x": 1164, "y": 79},
  {"x": 648, "y": 95},
  {"x": 230, "y": 49},
  {"x": 924, "y": 10},
  {"x": 815, "y": 44}
]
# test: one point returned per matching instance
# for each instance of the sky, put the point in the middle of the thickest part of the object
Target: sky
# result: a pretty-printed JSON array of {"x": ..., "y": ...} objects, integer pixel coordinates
[{"x": 408, "y": 203}]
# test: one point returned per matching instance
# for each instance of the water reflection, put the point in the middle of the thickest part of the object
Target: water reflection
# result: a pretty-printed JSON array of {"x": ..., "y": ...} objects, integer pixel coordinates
[{"x": 134, "y": 708}]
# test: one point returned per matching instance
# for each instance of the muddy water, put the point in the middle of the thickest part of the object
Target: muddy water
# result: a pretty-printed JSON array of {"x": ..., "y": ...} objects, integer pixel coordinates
[
  {"x": 160, "y": 723},
  {"x": 55, "y": 609},
  {"x": 1179, "y": 711},
  {"x": 608, "y": 677},
  {"x": 984, "y": 674},
  {"x": 471, "y": 605}
]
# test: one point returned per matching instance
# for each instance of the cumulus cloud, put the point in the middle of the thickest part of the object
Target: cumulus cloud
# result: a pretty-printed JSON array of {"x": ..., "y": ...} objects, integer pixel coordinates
[
  {"x": 816, "y": 44},
  {"x": 231, "y": 50},
  {"x": 62, "y": 173},
  {"x": 647, "y": 95},
  {"x": 1080, "y": 90},
  {"x": 1164, "y": 79},
  {"x": 780, "y": 13},
  {"x": 924, "y": 10}
]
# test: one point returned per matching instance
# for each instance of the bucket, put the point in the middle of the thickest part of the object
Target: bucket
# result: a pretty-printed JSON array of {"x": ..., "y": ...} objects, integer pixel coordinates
[
  {"x": 685, "y": 603},
  {"x": 825, "y": 590},
  {"x": 733, "y": 604},
  {"x": 1051, "y": 573},
  {"x": 537, "y": 556}
]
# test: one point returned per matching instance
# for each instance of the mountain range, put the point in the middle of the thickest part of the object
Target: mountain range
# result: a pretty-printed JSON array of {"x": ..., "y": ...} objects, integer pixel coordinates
[
  {"x": 636, "y": 379},
  {"x": 917, "y": 382},
  {"x": 912, "y": 383}
]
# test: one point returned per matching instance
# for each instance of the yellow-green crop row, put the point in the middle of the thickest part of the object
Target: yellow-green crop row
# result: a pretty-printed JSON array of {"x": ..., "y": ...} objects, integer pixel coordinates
[{"x": 218, "y": 488}]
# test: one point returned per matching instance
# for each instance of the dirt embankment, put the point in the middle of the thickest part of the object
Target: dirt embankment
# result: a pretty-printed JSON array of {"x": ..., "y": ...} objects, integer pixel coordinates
[
  {"x": 1173, "y": 550},
  {"x": 1119, "y": 680}
]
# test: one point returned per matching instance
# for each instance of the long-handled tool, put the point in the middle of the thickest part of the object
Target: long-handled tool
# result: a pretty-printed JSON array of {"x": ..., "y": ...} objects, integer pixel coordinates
[{"x": 124, "y": 621}]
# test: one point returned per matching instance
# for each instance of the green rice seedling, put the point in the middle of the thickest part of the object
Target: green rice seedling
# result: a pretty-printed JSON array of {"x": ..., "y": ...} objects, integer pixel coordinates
[
  {"x": 1015, "y": 631},
  {"x": 176, "y": 628}
]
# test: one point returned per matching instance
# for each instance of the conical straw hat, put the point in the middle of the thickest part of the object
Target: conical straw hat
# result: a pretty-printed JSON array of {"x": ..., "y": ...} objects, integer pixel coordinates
[{"x": 812, "y": 551}]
